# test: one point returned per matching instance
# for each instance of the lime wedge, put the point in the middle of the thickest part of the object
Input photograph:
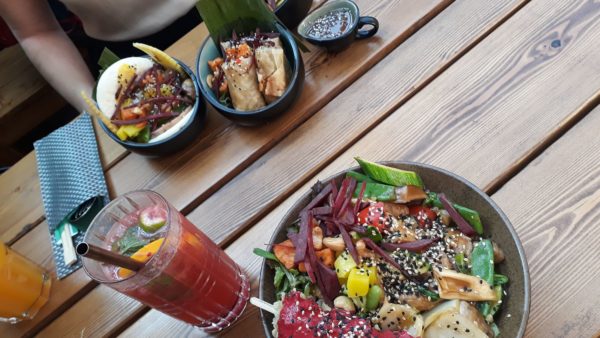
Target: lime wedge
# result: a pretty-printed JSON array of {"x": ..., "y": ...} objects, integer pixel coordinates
[
  {"x": 389, "y": 175},
  {"x": 151, "y": 219},
  {"x": 159, "y": 57}
]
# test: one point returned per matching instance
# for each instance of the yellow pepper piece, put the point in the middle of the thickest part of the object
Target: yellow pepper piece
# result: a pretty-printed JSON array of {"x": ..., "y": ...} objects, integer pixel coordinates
[
  {"x": 372, "y": 273},
  {"x": 129, "y": 131},
  {"x": 358, "y": 283},
  {"x": 142, "y": 255},
  {"x": 343, "y": 264}
]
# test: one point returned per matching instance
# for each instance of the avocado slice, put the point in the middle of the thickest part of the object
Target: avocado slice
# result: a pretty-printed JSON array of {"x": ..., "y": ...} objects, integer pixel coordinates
[{"x": 389, "y": 175}]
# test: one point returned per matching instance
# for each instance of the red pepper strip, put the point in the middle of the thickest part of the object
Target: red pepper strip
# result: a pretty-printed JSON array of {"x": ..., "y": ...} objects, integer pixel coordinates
[
  {"x": 143, "y": 118},
  {"x": 414, "y": 246},
  {"x": 360, "y": 197},
  {"x": 463, "y": 226},
  {"x": 349, "y": 243}
]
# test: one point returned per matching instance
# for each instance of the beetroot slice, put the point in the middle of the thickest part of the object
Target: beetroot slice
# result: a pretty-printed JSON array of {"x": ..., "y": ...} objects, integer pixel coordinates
[
  {"x": 463, "y": 226},
  {"x": 348, "y": 242},
  {"x": 347, "y": 198},
  {"x": 303, "y": 235},
  {"x": 324, "y": 210},
  {"x": 319, "y": 198},
  {"x": 384, "y": 255},
  {"x": 360, "y": 197},
  {"x": 414, "y": 246}
]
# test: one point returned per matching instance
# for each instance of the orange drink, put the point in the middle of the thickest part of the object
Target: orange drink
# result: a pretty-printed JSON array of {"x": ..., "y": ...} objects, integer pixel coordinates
[{"x": 24, "y": 286}]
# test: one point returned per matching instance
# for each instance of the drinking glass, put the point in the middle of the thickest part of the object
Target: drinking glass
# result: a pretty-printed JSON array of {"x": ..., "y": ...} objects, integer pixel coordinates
[
  {"x": 24, "y": 286},
  {"x": 189, "y": 277}
]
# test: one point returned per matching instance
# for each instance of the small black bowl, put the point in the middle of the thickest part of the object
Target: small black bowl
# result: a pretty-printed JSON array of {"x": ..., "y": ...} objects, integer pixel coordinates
[
  {"x": 177, "y": 141},
  {"x": 291, "y": 12},
  {"x": 354, "y": 32},
  {"x": 209, "y": 51},
  {"x": 458, "y": 189}
]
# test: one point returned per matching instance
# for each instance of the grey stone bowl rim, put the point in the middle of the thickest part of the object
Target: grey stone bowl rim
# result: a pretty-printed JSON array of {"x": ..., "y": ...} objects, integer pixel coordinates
[{"x": 520, "y": 251}]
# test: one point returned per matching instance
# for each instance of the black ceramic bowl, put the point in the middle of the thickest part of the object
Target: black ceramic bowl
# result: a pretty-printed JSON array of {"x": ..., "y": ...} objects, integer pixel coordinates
[
  {"x": 291, "y": 12},
  {"x": 458, "y": 189},
  {"x": 355, "y": 27},
  {"x": 177, "y": 141},
  {"x": 209, "y": 51}
]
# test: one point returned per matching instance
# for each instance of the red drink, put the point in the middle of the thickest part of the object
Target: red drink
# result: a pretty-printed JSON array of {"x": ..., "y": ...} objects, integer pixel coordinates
[{"x": 186, "y": 275}]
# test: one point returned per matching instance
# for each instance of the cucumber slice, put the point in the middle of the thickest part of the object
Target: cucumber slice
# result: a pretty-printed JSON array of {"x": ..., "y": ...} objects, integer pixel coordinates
[
  {"x": 151, "y": 219},
  {"x": 389, "y": 175}
]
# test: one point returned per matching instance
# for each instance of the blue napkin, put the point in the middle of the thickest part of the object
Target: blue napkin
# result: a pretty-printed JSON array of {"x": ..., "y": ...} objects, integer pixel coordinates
[{"x": 70, "y": 173}]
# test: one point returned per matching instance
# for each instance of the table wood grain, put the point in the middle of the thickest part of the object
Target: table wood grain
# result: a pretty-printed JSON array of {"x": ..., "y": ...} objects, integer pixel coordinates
[
  {"x": 501, "y": 93},
  {"x": 460, "y": 146},
  {"x": 330, "y": 80}
]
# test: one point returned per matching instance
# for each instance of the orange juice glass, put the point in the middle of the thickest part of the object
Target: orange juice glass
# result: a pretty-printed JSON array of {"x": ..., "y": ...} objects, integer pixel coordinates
[{"x": 24, "y": 287}]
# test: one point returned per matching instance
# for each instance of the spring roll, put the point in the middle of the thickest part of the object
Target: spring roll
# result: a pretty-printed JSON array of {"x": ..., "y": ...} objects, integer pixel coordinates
[
  {"x": 271, "y": 69},
  {"x": 240, "y": 73}
]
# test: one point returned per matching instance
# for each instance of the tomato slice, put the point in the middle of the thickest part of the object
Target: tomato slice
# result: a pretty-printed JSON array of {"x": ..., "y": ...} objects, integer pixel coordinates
[
  {"x": 372, "y": 215},
  {"x": 424, "y": 215}
]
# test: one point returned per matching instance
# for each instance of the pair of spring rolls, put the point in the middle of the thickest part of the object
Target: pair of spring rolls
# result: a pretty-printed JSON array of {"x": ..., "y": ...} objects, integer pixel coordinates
[{"x": 252, "y": 83}]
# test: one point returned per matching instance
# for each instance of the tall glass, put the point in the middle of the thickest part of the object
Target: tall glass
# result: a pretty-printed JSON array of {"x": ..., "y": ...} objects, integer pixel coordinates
[
  {"x": 189, "y": 277},
  {"x": 24, "y": 287}
]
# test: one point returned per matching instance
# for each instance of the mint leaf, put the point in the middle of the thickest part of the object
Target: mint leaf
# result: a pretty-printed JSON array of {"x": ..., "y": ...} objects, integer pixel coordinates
[{"x": 131, "y": 242}]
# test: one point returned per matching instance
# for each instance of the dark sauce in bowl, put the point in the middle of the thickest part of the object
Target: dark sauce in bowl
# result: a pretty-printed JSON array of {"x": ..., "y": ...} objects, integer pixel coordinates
[{"x": 331, "y": 25}]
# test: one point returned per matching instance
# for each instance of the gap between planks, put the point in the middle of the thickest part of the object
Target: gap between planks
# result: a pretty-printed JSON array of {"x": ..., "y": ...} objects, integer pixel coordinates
[
  {"x": 417, "y": 88},
  {"x": 421, "y": 85},
  {"x": 413, "y": 28}
]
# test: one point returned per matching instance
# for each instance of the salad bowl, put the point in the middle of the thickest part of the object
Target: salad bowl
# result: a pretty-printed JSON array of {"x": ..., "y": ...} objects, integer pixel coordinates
[
  {"x": 513, "y": 315},
  {"x": 186, "y": 134}
]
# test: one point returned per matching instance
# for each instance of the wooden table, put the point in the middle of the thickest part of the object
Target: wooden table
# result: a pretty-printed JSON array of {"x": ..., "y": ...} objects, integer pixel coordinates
[{"x": 502, "y": 92}]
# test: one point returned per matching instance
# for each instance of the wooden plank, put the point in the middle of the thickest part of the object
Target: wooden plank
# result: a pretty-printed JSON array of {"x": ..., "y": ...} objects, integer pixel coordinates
[
  {"x": 19, "y": 186},
  {"x": 63, "y": 293},
  {"x": 24, "y": 210},
  {"x": 19, "y": 80},
  {"x": 492, "y": 81},
  {"x": 225, "y": 151},
  {"x": 558, "y": 225},
  {"x": 173, "y": 171},
  {"x": 498, "y": 126}
]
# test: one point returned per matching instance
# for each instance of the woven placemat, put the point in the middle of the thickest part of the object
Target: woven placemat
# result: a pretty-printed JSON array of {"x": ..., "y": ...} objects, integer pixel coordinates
[{"x": 70, "y": 173}]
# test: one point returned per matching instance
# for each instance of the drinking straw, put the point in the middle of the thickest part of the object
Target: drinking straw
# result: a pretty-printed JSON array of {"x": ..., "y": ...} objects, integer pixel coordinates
[{"x": 106, "y": 256}]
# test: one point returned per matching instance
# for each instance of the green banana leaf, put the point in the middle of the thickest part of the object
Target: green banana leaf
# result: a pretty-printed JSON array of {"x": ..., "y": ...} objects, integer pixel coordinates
[{"x": 223, "y": 17}]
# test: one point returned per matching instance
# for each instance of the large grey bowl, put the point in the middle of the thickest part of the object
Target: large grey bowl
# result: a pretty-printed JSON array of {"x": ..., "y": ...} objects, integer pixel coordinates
[{"x": 496, "y": 226}]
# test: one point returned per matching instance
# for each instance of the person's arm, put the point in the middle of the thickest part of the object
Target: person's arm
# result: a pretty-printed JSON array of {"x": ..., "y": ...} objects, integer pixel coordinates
[{"x": 48, "y": 48}]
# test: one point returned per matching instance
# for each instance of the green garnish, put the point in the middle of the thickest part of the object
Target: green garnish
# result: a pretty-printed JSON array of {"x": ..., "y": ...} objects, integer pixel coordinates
[{"x": 131, "y": 242}]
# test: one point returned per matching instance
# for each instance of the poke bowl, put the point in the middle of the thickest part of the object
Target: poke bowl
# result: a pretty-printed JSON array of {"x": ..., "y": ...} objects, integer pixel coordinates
[
  {"x": 243, "y": 96},
  {"x": 510, "y": 314},
  {"x": 143, "y": 119}
]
